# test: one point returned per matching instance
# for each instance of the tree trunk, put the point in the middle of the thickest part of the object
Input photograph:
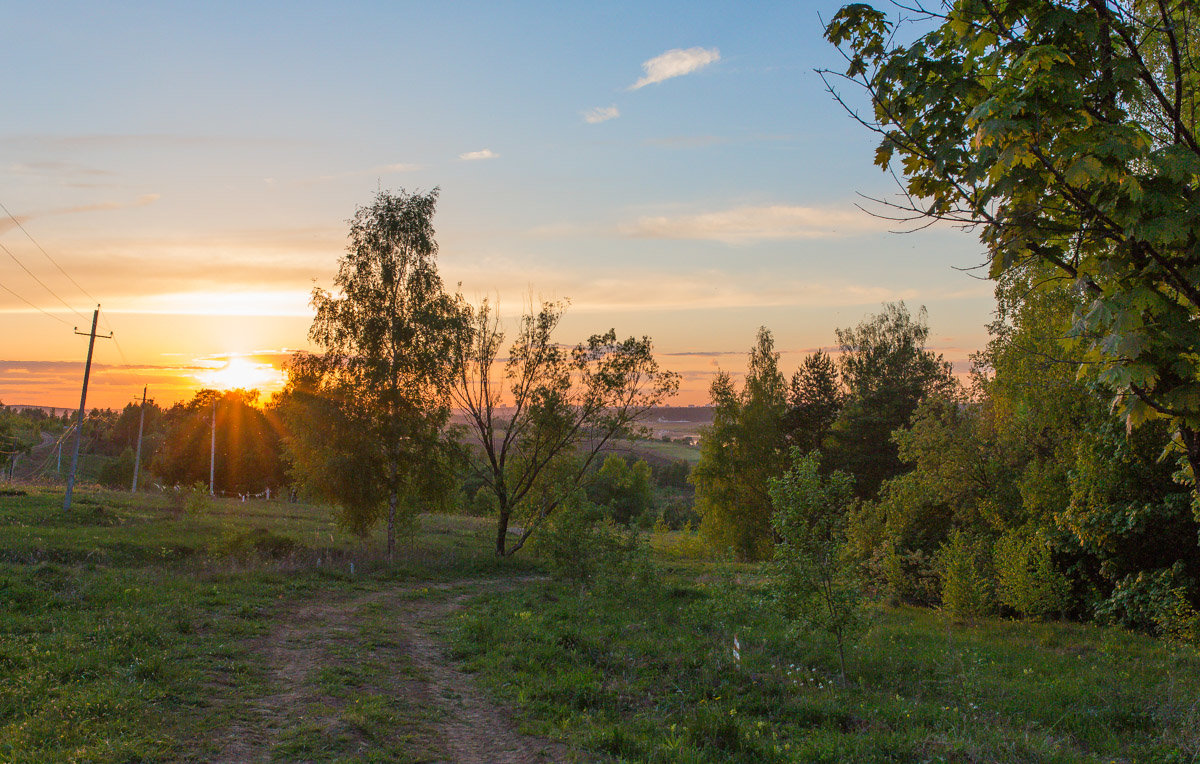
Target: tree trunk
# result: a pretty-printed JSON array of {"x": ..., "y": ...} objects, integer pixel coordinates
[
  {"x": 391, "y": 526},
  {"x": 502, "y": 531}
]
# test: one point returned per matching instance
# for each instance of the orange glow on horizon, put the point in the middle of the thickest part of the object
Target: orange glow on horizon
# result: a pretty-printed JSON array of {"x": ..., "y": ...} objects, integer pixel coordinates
[{"x": 244, "y": 374}]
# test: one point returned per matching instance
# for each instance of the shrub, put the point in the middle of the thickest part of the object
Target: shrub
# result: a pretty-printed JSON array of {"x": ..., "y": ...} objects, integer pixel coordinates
[
  {"x": 483, "y": 503},
  {"x": 909, "y": 574},
  {"x": 189, "y": 500},
  {"x": 580, "y": 545},
  {"x": 259, "y": 542},
  {"x": 679, "y": 513},
  {"x": 1026, "y": 579},
  {"x": 686, "y": 543},
  {"x": 963, "y": 564},
  {"x": 817, "y": 582},
  {"x": 1155, "y": 601},
  {"x": 118, "y": 473}
]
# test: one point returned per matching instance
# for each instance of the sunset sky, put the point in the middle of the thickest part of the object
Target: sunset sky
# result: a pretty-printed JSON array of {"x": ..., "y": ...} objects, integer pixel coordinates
[{"x": 676, "y": 170}]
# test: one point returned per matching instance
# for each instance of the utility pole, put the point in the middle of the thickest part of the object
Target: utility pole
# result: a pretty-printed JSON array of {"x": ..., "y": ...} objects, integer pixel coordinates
[
  {"x": 87, "y": 372},
  {"x": 137, "y": 458},
  {"x": 212, "y": 454}
]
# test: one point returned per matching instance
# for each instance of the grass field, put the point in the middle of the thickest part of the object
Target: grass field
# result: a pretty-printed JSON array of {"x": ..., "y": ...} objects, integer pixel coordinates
[
  {"x": 133, "y": 629},
  {"x": 674, "y": 450},
  {"x": 145, "y": 629}
]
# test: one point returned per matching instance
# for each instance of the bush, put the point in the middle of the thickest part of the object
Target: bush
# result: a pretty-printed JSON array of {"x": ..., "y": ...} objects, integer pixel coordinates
[
  {"x": 190, "y": 500},
  {"x": 963, "y": 563},
  {"x": 684, "y": 543},
  {"x": 260, "y": 542},
  {"x": 1155, "y": 601},
  {"x": 817, "y": 582},
  {"x": 580, "y": 545},
  {"x": 483, "y": 503},
  {"x": 910, "y": 575},
  {"x": 118, "y": 473},
  {"x": 1026, "y": 579},
  {"x": 679, "y": 513}
]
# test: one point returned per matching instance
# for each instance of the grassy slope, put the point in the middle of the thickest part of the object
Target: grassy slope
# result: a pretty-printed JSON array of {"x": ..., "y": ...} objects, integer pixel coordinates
[
  {"x": 126, "y": 634},
  {"x": 654, "y": 678},
  {"x": 126, "y": 628}
]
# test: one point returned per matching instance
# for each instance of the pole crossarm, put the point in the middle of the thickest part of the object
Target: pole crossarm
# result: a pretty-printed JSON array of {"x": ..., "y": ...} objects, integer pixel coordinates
[{"x": 87, "y": 372}]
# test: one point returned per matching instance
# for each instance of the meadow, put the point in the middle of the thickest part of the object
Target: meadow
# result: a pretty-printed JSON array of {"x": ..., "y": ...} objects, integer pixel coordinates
[{"x": 164, "y": 628}]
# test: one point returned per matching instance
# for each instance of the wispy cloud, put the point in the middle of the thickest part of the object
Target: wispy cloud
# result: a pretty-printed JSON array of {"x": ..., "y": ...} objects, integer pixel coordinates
[
  {"x": 106, "y": 141},
  {"x": 601, "y": 114},
  {"x": 705, "y": 353},
  {"x": 741, "y": 225},
  {"x": 473, "y": 155},
  {"x": 143, "y": 200},
  {"x": 641, "y": 289},
  {"x": 675, "y": 63},
  {"x": 701, "y": 141},
  {"x": 55, "y": 167}
]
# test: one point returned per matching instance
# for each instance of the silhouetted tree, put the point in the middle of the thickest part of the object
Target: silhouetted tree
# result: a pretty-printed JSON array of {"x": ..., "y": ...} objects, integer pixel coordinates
[
  {"x": 248, "y": 456},
  {"x": 367, "y": 416},
  {"x": 542, "y": 415},
  {"x": 814, "y": 401}
]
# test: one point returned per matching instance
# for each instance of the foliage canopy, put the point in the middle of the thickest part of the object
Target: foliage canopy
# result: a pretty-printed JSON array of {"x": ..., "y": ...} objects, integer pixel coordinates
[
  {"x": 1066, "y": 130},
  {"x": 367, "y": 416}
]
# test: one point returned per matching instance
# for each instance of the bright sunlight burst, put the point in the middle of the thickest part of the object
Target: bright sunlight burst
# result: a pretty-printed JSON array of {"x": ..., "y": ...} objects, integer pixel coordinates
[{"x": 243, "y": 373}]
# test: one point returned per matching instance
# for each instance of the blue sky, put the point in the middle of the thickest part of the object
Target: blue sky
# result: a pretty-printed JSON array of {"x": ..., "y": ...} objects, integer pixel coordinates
[{"x": 192, "y": 167}]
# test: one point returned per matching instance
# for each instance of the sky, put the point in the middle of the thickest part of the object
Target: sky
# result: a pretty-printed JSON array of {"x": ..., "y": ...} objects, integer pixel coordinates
[{"x": 675, "y": 170}]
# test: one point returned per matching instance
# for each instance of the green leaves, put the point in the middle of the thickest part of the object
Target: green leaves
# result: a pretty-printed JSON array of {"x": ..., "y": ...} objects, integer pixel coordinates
[
  {"x": 368, "y": 414},
  {"x": 1078, "y": 148},
  {"x": 864, "y": 28},
  {"x": 816, "y": 583},
  {"x": 742, "y": 449}
]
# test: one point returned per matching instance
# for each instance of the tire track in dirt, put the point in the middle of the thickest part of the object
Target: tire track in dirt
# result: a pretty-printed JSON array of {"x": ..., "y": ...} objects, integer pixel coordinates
[
  {"x": 475, "y": 729},
  {"x": 465, "y": 725}
]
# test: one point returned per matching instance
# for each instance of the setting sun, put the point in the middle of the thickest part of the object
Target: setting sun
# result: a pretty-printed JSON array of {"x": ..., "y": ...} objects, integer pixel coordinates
[{"x": 245, "y": 374}]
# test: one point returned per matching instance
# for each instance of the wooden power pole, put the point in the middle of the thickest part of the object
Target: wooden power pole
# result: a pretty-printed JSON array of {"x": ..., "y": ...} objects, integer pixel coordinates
[
  {"x": 137, "y": 459},
  {"x": 212, "y": 454},
  {"x": 87, "y": 372}
]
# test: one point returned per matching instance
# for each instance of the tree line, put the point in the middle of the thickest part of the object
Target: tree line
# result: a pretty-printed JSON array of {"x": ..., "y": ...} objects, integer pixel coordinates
[
  {"x": 365, "y": 422},
  {"x": 1062, "y": 479}
]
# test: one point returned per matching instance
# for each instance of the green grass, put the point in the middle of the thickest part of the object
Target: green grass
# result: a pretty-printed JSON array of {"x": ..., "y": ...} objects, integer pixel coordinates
[
  {"x": 650, "y": 675},
  {"x": 673, "y": 450},
  {"x": 134, "y": 630},
  {"x": 128, "y": 626}
]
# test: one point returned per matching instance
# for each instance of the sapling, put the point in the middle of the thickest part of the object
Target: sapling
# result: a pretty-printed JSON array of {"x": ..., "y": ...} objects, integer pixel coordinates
[{"x": 817, "y": 584}]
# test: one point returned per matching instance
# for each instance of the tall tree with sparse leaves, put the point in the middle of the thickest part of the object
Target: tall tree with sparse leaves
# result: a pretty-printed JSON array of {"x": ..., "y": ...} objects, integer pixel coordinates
[
  {"x": 369, "y": 414},
  {"x": 542, "y": 415}
]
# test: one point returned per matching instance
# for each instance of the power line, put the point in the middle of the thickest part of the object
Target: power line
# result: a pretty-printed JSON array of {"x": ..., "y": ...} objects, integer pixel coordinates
[
  {"x": 17, "y": 222},
  {"x": 120, "y": 350},
  {"x": 40, "y": 310},
  {"x": 47, "y": 254},
  {"x": 35, "y": 278}
]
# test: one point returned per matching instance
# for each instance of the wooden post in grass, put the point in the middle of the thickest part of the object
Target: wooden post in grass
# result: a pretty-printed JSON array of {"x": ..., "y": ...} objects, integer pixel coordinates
[
  {"x": 137, "y": 458},
  {"x": 212, "y": 454},
  {"x": 87, "y": 371}
]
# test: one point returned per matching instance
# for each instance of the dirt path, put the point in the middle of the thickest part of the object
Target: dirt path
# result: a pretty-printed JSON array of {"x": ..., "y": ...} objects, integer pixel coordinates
[{"x": 362, "y": 676}]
